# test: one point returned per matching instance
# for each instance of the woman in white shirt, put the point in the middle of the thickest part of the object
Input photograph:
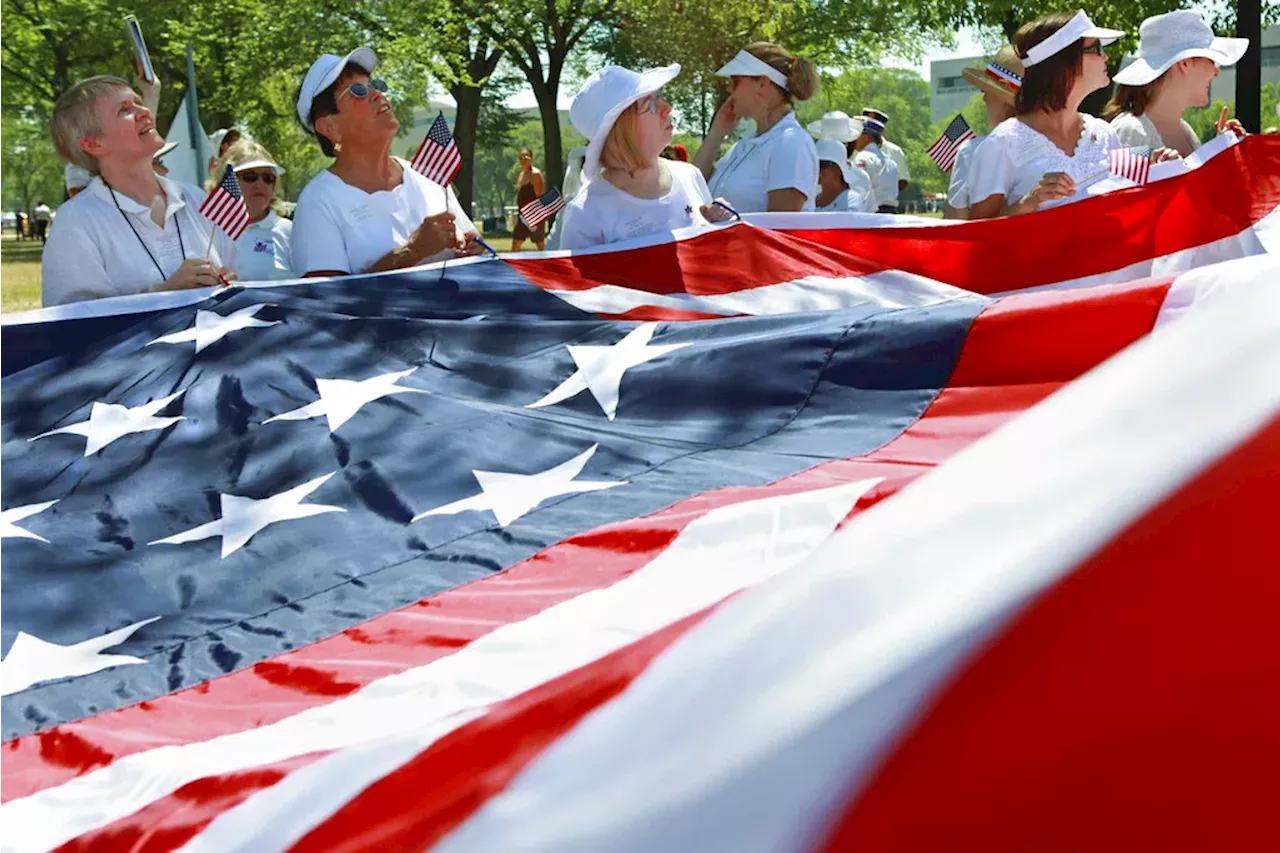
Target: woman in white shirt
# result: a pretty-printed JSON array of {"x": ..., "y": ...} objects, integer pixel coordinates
[
  {"x": 631, "y": 190},
  {"x": 839, "y": 187},
  {"x": 264, "y": 250},
  {"x": 130, "y": 230},
  {"x": 777, "y": 169},
  {"x": 369, "y": 211},
  {"x": 1050, "y": 147},
  {"x": 1178, "y": 59},
  {"x": 999, "y": 83}
]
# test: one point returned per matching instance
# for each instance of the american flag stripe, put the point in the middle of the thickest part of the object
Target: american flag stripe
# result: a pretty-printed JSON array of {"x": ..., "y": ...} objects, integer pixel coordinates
[
  {"x": 437, "y": 157},
  {"x": 225, "y": 207},
  {"x": 1004, "y": 75},
  {"x": 943, "y": 152},
  {"x": 1132, "y": 163},
  {"x": 539, "y": 210}
]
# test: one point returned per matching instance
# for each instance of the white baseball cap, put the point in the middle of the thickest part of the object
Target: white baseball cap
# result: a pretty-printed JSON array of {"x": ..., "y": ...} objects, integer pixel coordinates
[
  {"x": 749, "y": 65},
  {"x": 323, "y": 72},
  {"x": 1079, "y": 27},
  {"x": 76, "y": 177},
  {"x": 836, "y": 125},
  {"x": 833, "y": 151},
  {"x": 1169, "y": 38},
  {"x": 602, "y": 99}
]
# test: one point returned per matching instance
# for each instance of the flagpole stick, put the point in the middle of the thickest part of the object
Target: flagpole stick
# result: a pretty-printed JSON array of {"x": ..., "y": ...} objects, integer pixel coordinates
[{"x": 213, "y": 230}]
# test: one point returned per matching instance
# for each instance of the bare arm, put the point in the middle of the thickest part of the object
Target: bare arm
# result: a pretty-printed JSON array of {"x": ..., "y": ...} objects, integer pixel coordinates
[
  {"x": 539, "y": 185},
  {"x": 786, "y": 201}
]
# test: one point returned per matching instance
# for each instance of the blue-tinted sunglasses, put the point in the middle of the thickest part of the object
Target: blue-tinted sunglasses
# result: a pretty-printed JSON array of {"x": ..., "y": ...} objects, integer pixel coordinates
[{"x": 360, "y": 90}]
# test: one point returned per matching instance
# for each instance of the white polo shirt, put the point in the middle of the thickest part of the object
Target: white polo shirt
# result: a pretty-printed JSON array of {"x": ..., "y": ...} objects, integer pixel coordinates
[
  {"x": 92, "y": 252},
  {"x": 883, "y": 173},
  {"x": 601, "y": 213},
  {"x": 341, "y": 227},
  {"x": 266, "y": 249},
  {"x": 959, "y": 189},
  {"x": 782, "y": 158}
]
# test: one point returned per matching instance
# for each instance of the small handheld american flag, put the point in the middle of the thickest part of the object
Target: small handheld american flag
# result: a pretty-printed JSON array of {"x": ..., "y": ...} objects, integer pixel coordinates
[
  {"x": 943, "y": 152},
  {"x": 1132, "y": 163},
  {"x": 225, "y": 206},
  {"x": 438, "y": 158},
  {"x": 535, "y": 212}
]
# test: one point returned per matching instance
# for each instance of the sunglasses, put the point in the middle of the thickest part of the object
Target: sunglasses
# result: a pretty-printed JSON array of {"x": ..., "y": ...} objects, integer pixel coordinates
[
  {"x": 1095, "y": 48},
  {"x": 647, "y": 105},
  {"x": 360, "y": 90},
  {"x": 268, "y": 178}
]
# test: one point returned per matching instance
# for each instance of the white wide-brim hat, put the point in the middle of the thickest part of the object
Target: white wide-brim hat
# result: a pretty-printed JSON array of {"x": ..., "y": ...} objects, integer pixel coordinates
[
  {"x": 1166, "y": 39},
  {"x": 75, "y": 177},
  {"x": 603, "y": 98},
  {"x": 1079, "y": 27},
  {"x": 164, "y": 149},
  {"x": 833, "y": 151},
  {"x": 323, "y": 72},
  {"x": 259, "y": 163},
  {"x": 836, "y": 125}
]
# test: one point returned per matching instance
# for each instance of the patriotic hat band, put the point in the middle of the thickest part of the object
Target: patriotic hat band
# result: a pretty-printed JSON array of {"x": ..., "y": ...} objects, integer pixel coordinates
[
  {"x": 1079, "y": 27},
  {"x": 1004, "y": 75}
]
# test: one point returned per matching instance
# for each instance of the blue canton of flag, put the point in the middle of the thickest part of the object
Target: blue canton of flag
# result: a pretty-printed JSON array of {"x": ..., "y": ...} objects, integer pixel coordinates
[
  {"x": 438, "y": 158},
  {"x": 943, "y": 152},
  {"x": 225, "y": 205}
]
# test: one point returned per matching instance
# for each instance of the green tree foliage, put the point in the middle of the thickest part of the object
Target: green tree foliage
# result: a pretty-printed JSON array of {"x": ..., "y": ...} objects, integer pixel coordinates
[
  {"x": 32, "y": 172},
  {"x": 497, "y": 168}
]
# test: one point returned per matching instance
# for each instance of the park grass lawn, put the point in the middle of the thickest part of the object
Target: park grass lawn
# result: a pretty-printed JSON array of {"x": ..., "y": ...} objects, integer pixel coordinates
[{"x": 19, "y": 274}]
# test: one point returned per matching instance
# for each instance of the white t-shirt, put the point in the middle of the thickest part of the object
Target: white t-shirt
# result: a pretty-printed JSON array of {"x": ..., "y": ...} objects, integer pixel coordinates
[
  {"x": 883, "y": 173},
  {"x": 265, "y": 249},
  {"x": 601, "y": 213},
  {"x": 783, "y": 158},
  {"x": 899, "y": 159},
  {"x": 341, "y": 227},
  {"x": 1139, "y": 131},
  {"x": 92, "y": 252},
  {"x": 958, "y": 191},
  {"x": 43, "y": 214},
  {"x": 1013, "y": 158},
  {"x": 845, "y": 202}
]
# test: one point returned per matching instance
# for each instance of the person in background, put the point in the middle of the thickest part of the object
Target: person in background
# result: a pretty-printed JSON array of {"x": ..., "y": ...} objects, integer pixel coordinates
[
  {"x": 42, "y": 216},
  {"x": 777, "y": 169},
  {"x": 130, "y": 230},
  {"x": 838, "y": 126},
  {"x": 892, "y": 150},
  {"x": 222, "y": 139},
  {"x": 836, "y": 179},
  {"x": 882, "y": 171},
  {"x": 1038, "y": 157},
  {"x": 530, "y": 184},
  {"x": 76, "y": 179},
  {"x": 681, "y": 153},
  {"x": 265, "y": 249},
  {"x": 1178, "y": 59},
  {"x": 369, "y": 211},
  {"x": 999, "y": 82},
  {"x": 631, "y": 191}
]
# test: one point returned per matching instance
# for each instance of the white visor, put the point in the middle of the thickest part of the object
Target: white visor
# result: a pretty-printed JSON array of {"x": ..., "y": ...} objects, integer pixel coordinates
[
  {"x": 1079, "y": 27},
  {"x": 748, "y": 65},
  {"x": 259, "y": 164}
]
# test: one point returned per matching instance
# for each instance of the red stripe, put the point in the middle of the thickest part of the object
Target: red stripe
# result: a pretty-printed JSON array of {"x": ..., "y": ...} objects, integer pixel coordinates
[
  {"x": 1229, "y": 193},
  {"x": 1016, "y": 353},
  {"x": 1132, "y": 707}
]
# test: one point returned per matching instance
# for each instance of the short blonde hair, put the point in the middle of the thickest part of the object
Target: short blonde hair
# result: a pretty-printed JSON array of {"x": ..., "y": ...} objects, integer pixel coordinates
[
  {"x": 800, "y": 71},
  {"x": 621, "y": 150},
  {"x": 75, "y": 118}
]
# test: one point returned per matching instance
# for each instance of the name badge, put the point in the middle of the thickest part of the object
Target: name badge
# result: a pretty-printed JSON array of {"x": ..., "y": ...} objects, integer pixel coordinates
[{"x": 264, "y": 246}]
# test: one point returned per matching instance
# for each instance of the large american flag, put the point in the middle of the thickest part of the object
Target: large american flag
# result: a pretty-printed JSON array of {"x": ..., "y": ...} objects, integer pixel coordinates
[
  {"x": 944, "y": 151},
  {"x": 539, "y": 210},
  {"x": 437, "y": 157},
  {"x": 225, "y": 207},
  {"x": 531, "y": 554}
]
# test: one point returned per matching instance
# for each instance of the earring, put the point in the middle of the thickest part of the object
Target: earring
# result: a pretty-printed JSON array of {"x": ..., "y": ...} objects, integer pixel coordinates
[{"x": 337, "y": 146}]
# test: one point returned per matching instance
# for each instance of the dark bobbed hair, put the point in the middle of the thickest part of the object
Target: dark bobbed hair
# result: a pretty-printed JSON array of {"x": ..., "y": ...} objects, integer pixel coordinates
[
  {"x": 1046, "y": 84},
  {"x": 325, "y": 103}
]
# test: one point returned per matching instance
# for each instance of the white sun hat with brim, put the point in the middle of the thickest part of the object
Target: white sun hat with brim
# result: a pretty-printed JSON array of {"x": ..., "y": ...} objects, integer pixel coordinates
[
  {"x": 836, "y": 125},
  {"x": 1166, "y": 39},
  {"x": 1079, "y": 27},
  {"x": 165, "y": 149},
  {"x": 749, "y": 65},
  {"x": 323, "y": 72},
  {"x": 259, "y": 163},
  {"x": 76, "y": 177},
  {"x": 833, "y": 151},
  {"x": 604, "y": 97}
]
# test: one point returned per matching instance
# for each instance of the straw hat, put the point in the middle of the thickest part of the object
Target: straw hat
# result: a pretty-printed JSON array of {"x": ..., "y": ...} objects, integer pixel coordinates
[{"x": 1002, "y": 76}]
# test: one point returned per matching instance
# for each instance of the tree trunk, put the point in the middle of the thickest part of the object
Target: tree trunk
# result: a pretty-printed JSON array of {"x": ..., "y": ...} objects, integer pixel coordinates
[
  {"x": 464, "y": 134},
  {"x": 1009, "y": 25},
  {"x": 553, "y": 167},
  {"x": 1249, "y": 68}
]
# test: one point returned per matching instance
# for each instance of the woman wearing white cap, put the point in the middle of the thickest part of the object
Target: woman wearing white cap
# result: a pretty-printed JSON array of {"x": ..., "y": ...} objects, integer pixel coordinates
[
  {"x": 999, "y": 82},
  {"x": 1039, "y": 156},
  {"x": 130, "y": 230},
  {"x": 842, "y": 186},
  {"x": 369, "y": 211},
  {"x": 265, "y": 248},
  {"x": 1178, "y": 58},
  {"x": 631, "y": 190},
  {"x": 775, "y": 169},
  {"x": 840, "y": 127}
]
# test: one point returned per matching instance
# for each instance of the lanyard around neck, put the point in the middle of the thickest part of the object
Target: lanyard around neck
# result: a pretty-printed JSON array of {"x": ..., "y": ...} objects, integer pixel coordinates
[{"x": 129, "y": 222}]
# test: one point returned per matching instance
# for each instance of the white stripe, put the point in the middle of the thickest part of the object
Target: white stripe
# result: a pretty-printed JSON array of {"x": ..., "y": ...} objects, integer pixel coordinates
[
  {"x": 754, "y": 730},
  {"x": 724, "y": 551}
]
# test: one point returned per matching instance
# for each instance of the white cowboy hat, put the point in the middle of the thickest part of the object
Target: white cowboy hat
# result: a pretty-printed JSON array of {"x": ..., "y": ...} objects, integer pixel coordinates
[
  {"x": 1166, "y": 39},
  {"x": 323, "y": 72},
  {"x": 833, "y": 151},
  {"x": 602, "y": 99},
  {"x": 836, "y": 125}
]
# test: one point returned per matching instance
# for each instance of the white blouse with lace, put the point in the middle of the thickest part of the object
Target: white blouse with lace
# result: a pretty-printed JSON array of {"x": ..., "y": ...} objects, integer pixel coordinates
[{"x": 1013, "y": 158}]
